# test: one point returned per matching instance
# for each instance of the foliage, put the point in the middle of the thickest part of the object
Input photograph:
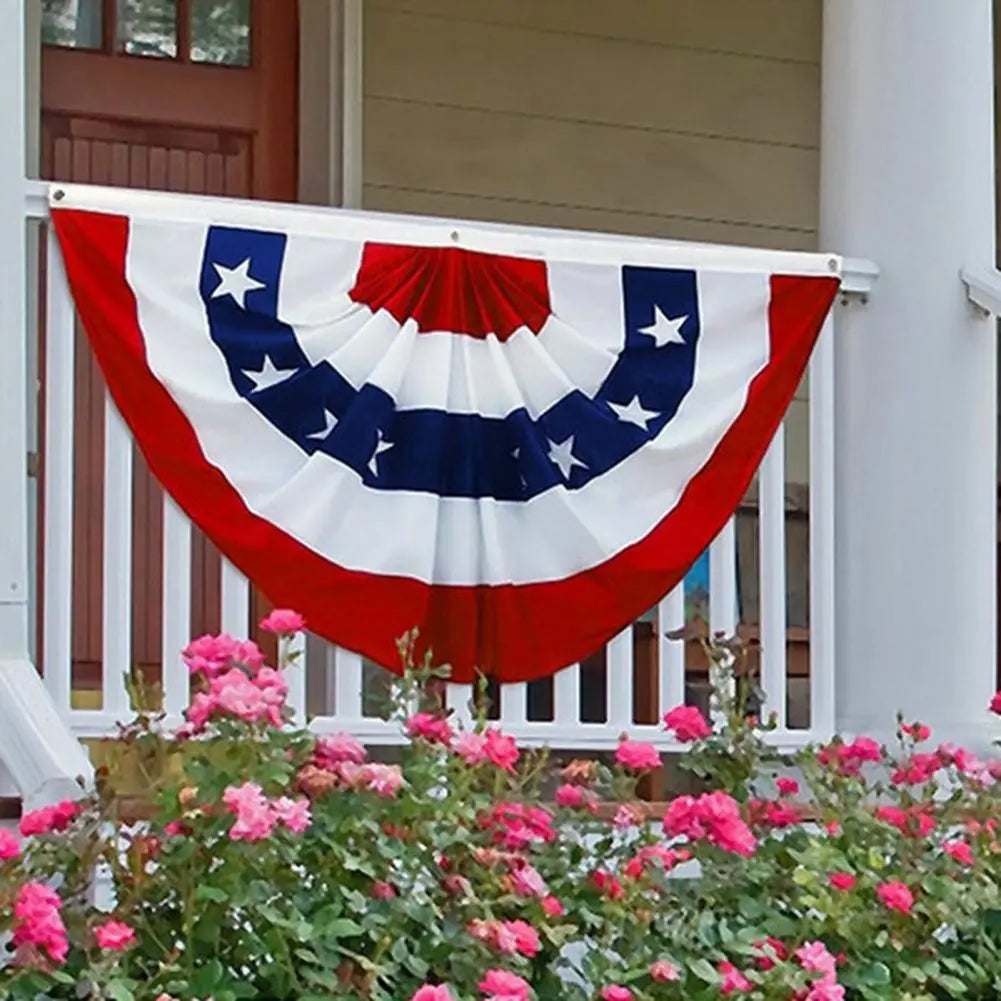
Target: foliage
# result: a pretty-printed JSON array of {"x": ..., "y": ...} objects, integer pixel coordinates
[{"x": 281, "y": 865}]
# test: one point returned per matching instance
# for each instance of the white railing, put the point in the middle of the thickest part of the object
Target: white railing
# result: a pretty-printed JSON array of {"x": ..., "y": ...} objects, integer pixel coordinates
[{"x": 335, "y": 678}]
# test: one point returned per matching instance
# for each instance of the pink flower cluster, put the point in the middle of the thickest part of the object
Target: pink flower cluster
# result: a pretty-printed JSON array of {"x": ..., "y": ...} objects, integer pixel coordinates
[
  {"x": 896, "y": 896},
  {"x": 491, "y": 745},
  {"x": 38, "y": 923},
  {"x": 432, "y": 992},
  {"x": 10, "y": 847},
  {"x": 687, "y": 723},
  {"x": 913, "y": 822},
  {"x": 714, "y": 816},
  {"x": 212, "y": 655},
  {"x": 508, "y": 937},
  {"x": 849, "y": 758},
  {"x": 340, "y": 760},
  {"x": 427, "y": 726},
  {"x": 814, "y": 957},
  {"x": 576, "y": 797},
  {"x": 517, "y": 826},
  {"x": 283, "y": 622},
  {"x": 256, "y": 815},
  {"x": 114, "y": 936},
  {"x": 49, "y": 819},
  {"x": 237, "y": 695},
  {"x": 637, "y": 756},
  {"x": 499, "y": 985},
  {"x": 645, "y": 857}
]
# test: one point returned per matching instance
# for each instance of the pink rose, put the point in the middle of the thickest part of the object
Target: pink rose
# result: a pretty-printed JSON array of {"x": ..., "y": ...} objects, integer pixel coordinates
[
  {"x": 337, "y": 748},
  {"x": 918, "y": 732},
  {"x": 814, "y": 957},
  {"x": 385, "y": 780},
  {"x": 687, "y": 723},
  {"x": 430, "y": 992},
  {"x": 10, "y": 847},
  {"x": 426, "y": 726},
  {"x": 114, "y": 936},
  {"x": 863, "y": 749},
  {"x": 826, "y": 990},
  {"x": 255, "y": 819},
  {"x": 637, "y": 756},
  {"x": 960, "y": 851},
  {"x": 382, "y": 890},
  {"x": 527, "y": 882},
  {"x": 569, "y": 796},
  {"x": 38, "y": 923},
  {"x": 283, "y": 621},
  {"x": 733, "y": 980},
  {"x": 48, "y": 819},
  {"x": 209, "y": 655},
  {"x": 552, "y": 908},
  {"x": 683, "y": 818},
  {"x": 841, "y": 880},
  {"x": 293, "y": 813},
  {"x": 472, "y": 748},
  {"x": 502, "y": 750},
  {"x": 896, "y": 896},
  {"x": 663, "y": 972},
  {"x": 613, "y": 992},
  {"x": 996, "y": 704},
  {"x": 787, "y": 786},
  {"x": 503, "y": 986}
]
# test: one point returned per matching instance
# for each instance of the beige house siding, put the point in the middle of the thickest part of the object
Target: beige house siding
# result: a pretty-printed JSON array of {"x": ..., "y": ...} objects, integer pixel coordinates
[{"x": 685, "y": 119}]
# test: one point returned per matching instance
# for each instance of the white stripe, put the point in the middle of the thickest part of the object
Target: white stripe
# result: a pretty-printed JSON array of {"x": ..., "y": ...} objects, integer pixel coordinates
[
  {"x": 495, "y": 238},
  {"x": 575, "y": 349},
  {"x": 326, "y": 507}
]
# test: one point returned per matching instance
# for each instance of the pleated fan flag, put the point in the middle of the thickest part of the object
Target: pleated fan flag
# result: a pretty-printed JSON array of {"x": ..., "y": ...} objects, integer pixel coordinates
[{"x": 516, "y": 441}]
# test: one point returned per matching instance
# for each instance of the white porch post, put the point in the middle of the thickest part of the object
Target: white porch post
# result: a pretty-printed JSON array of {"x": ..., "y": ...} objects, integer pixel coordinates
[
  {"x": 36, "y": 746},
  {"x": 907, "y": 180},
  {"x": 13, "y": 428}
]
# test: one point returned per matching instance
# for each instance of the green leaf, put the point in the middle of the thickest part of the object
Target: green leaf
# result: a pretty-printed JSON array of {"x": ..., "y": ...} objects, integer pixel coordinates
[
  {"x": 874, "y": 974},
  {"x": 118, "y": 990},
  {"x": 703, "y": 969},
  {"x": 213, "y": 893},
  {"x": 207, "y": 977},
  {"x": 342, "y": 928}
]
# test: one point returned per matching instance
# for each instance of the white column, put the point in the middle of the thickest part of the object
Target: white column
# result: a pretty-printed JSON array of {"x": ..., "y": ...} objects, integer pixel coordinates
[
  {"x": 907, "y": 180},
  {"x": 13, "y": 403}
]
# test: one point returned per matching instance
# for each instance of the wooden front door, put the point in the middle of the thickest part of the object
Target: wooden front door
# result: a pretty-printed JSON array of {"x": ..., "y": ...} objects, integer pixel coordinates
[{"x": 193, "y": 96}]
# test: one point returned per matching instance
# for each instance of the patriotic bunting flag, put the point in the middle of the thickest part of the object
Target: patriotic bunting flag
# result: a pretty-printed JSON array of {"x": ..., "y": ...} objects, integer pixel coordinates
[{"x": 516, "y": 441}]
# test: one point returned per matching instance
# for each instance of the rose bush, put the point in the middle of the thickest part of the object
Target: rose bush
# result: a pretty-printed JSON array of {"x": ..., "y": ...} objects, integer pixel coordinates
[{"x": 278, "y": 864}]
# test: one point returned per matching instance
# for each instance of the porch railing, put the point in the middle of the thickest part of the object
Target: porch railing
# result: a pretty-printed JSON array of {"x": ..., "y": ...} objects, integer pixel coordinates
[{"x": 330, "y": 682}]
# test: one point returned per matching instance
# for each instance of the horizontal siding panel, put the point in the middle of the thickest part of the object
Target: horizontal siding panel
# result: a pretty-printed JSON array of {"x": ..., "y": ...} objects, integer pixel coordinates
[
  {"x": 477, "y": 153},
  {"x": 452, "y": 206},
  {"x": 511, "y": 69},
  {"x": 777, "y": 29}
]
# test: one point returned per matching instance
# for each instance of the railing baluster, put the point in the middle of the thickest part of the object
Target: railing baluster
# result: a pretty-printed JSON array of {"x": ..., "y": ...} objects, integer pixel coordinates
[
  {"x": 566, "y": 696},
  {"x": 670, "y": 617},
  {"x": 235, "y": 612},
  {"x": 772, "y": 549},
  {"x": 619, "y": 676},
  {"x": 347, "y": 686},
  {"x": 723, "y": 581},
  {"x": 57, "y": 572},
  {"x": 458, "y": 699},
  {"x": 514, "y": 704},
  {"x": 822, "y": 533},
  {"x": 176, "y": 605},
  {"x": 297, "y": 651},
  {"x": 117, "y": 607}
]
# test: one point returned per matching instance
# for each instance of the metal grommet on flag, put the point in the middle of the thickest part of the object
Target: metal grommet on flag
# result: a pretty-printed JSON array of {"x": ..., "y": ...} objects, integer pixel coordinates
[{"x": 517, "y": 445}]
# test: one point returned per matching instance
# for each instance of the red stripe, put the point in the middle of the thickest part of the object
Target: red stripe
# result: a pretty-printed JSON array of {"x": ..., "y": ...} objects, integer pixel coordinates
[{"x": 514, "y": 632}]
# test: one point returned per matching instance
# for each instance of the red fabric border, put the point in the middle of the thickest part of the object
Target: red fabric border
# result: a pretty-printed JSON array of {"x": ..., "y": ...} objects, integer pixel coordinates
[{"x": 512, "y": 632}]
